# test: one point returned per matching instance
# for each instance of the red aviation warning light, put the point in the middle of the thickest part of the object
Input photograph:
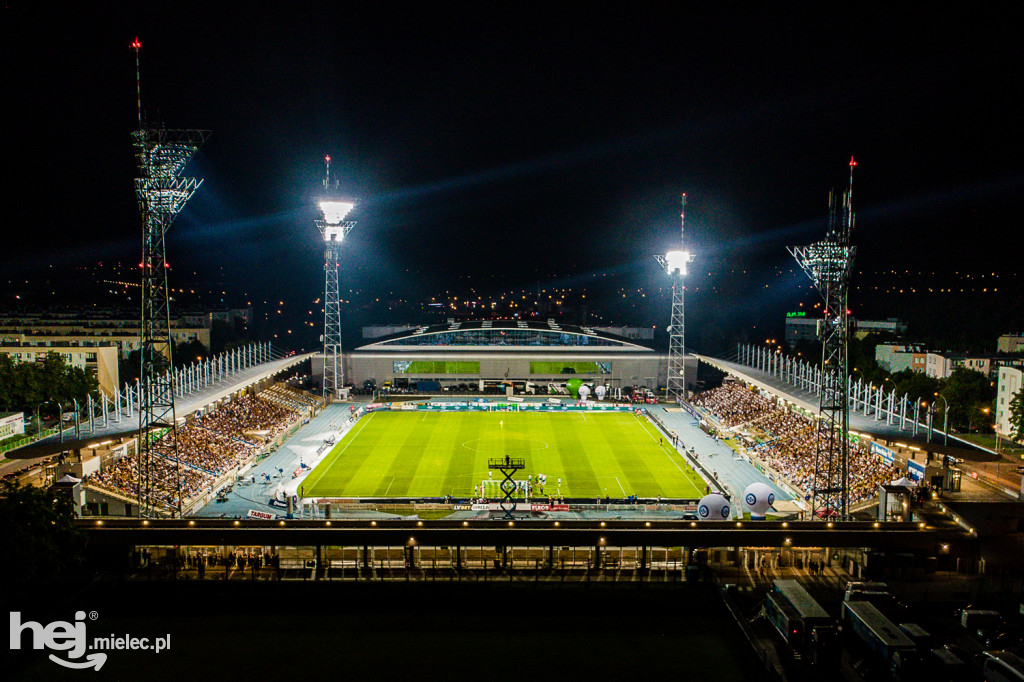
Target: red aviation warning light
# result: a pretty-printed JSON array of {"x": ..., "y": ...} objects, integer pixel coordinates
[
  {"x": 136, "y": 45},
  {"x": 852, "y": 162}
]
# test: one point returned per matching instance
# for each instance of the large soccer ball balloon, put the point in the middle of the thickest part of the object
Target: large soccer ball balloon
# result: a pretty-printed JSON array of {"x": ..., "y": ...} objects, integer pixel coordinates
[
  {"x": 573, "y": 386},
  {"x": 713, "y": 507},
  {"x": 600, "y": 391},
  {"x": 758, "y": 497},
  {"x": 584, "y": 392}
]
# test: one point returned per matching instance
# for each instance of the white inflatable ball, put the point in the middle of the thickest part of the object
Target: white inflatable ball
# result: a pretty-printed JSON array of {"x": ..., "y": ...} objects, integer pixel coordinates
[
  {"x": 758, "y": 497},
  {"x": 713, "y": 507}
]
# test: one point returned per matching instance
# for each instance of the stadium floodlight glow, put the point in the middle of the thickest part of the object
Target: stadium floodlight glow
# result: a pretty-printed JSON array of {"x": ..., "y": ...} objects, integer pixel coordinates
[
  {"x": 335, "y": 211},
  {"x": 676, "y": 262},
  {"x": 333, "y": 228}
]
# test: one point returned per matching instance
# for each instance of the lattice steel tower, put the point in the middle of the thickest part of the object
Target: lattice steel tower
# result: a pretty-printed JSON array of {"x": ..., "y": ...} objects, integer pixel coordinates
[
  {"x": 676, "y": 264},
  {"x": 829, "y": 263},
  {"x": 333, "y": 228},
  {"x": 161, "y": 192}
]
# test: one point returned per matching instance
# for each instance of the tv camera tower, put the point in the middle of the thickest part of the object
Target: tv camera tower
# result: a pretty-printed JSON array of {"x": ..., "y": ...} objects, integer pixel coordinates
[
  {"x": 675, "y": 264},
  {"x": 161, "y": 191},
  {"x": 333, "y": 228},
  {"x": 829, "y": 264}
]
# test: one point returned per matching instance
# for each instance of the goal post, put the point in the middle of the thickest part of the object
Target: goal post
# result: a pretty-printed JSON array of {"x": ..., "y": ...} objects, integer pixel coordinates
[{"x": 492, "y": 488}]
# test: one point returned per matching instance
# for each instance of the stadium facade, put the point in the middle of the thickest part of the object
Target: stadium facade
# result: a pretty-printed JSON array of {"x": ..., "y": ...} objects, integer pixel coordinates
[{"x": 447, "y": 356}]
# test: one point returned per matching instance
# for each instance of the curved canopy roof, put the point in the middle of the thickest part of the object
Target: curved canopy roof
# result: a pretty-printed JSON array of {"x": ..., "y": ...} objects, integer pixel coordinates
[{"x": 504, "y": 335}]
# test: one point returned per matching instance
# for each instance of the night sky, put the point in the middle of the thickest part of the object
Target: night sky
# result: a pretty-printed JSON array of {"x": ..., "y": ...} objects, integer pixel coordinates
[{"x": 492, "y": 149}]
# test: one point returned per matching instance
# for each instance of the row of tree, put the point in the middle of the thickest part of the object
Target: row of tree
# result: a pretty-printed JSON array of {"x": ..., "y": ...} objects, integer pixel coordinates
[{"x": 25, "y": 385}]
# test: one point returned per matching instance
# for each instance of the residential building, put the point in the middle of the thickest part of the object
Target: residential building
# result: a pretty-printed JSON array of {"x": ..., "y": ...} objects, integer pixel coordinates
[
  {"x": 896, "y": 357},
  {"x": 124, "y": 333},
  {"x": 11, "y": 424},
  {"x": 1010, "y": 343},
  {"x": 799, "y": 327},
  {"x": 1011, "y": 381},
  {"x": 99, "y": 360}
]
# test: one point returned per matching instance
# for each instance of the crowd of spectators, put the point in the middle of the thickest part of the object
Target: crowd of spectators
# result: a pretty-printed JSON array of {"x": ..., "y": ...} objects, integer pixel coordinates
[
  {"x": 786, "y": 440},
  {"x": 209, "y": 446}
]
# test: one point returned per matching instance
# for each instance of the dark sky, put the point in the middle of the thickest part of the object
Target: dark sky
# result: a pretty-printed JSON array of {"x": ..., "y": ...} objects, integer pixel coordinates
[{"x": 523, "y": 142}]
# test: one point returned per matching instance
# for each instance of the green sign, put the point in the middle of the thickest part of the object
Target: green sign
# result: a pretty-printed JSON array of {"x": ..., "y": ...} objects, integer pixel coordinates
[{"x": 798, "y": 313}]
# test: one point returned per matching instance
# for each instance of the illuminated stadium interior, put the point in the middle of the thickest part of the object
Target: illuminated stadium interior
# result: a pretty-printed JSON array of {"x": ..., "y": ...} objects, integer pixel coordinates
[{"x": 510, "y": 333}]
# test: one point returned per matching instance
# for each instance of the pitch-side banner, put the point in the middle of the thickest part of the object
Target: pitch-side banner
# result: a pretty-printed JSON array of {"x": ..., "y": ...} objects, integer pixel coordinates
[{"x": 520, "y": 506}]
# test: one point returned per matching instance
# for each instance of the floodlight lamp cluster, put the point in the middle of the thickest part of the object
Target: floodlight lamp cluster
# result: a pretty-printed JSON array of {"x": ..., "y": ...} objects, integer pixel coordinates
[
  {"x": 335, "y": 211},
  {"x": 677, "y": 262}
]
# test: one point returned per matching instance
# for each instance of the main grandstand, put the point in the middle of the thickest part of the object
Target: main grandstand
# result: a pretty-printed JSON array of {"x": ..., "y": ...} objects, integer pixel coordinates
[{"x": 530, "y": 354}]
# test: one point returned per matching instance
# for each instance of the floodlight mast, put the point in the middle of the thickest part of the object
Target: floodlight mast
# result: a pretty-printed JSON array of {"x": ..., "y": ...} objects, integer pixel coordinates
[
  {"x": 829, "y": 264},
  {"x": 333, "y": 228},
  {"x": 676, "y": 264},
  {"x": 161, "y": 192}
]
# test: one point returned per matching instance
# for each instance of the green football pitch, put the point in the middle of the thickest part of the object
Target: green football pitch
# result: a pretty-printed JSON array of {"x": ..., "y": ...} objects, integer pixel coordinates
[{"x": 431, "y": 454}]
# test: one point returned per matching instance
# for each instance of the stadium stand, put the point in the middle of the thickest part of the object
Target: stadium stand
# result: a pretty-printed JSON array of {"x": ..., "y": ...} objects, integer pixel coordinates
[
  {"x": 785, "y": 439},
  {"x": 210, "y": 445}
]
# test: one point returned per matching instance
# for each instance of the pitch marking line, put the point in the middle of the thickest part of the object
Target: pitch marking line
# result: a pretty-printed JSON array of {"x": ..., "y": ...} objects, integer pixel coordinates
[
  {"x": 644, "y": 426},
  {"x": 620, "y": 486},
  {"x": 326, "y": 466},
  {"x": 477, "y": 440}
]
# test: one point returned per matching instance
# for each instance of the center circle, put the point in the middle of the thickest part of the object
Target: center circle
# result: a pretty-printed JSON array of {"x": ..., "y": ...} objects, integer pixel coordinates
[{"x": 503, "y": 444}]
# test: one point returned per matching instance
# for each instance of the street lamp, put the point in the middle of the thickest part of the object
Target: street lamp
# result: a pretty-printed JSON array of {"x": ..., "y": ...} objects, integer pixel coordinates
[
  {"x": 970, "y": 425},
  {"x": 60, "y": 419},
  {"x": 945, "y": 420}
]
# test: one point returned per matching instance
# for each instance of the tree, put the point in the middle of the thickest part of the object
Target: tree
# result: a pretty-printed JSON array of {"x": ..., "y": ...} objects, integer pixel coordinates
[
  {"x": 1017, "y": 416},
  {"x": 966, "y": 392},
  {"x": 7, "y": 392},
  {"x": 188, "y": 353},
  {"x": 38, "y": 539},
  {"x": 25, "y": 385},
  {"x": 128, "y": 369},
  {"x": 915, "y": 384}
]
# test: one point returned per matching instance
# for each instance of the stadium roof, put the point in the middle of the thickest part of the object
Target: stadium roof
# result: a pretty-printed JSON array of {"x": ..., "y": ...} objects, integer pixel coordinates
[{"x": 505, "y": 335}]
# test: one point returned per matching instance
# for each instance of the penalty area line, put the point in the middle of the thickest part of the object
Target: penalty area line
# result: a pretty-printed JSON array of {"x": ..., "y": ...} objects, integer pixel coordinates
[{"x": 327, "y": 465}]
